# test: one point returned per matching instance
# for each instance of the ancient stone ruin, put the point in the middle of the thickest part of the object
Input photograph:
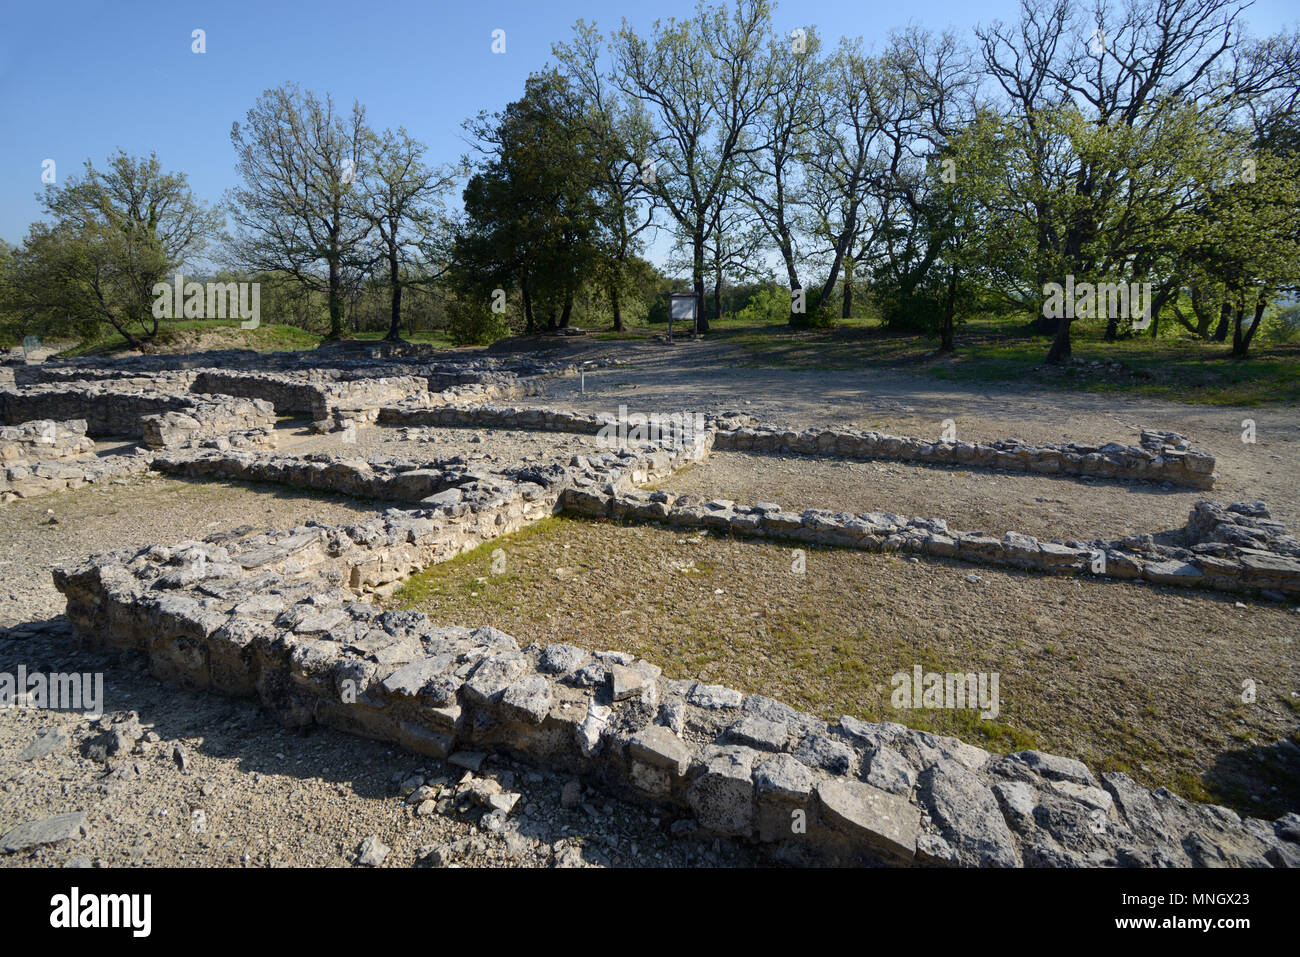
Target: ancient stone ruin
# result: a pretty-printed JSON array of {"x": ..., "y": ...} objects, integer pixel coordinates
[{"x": 282, "y": 614}]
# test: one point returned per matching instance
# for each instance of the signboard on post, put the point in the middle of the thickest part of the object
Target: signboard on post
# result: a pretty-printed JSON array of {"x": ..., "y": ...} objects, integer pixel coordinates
[{"x": 684, "y": 306}]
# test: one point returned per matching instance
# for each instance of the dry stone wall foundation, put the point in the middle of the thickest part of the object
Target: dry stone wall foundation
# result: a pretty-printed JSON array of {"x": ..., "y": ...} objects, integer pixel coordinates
[
  {"x": 282, "y": 616},
  {"x": 260, "y": 617}
]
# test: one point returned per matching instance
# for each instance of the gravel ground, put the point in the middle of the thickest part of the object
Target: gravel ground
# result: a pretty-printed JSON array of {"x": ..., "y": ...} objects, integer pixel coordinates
[
  {"x": 708, "y": 376},
  {"x": 1143, "y": 679},
  {"x": 143, "y": 511},
  {"x": 494, "y": 447},
  {"x": 252, "y": 794},
  {"x": 969, "y": 500},
  {"x": 267, "y": 796},
  {"x": 1123, "y": 676}
]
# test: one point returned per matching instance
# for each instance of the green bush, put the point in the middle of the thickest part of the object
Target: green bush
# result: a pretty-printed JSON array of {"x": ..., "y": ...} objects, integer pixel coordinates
[
  {"x": 814, "y": 316},
  {"x": 769, "y": 304},
  {"x": 475, "y": 325},
  {"x": 1283, "y": 325}
]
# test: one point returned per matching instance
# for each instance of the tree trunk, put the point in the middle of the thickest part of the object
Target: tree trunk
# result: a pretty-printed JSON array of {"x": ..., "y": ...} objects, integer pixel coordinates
[
  {"x": 567, "y": 311},
  {"x": 394, "y": 276},
  {"x": 1060, "y": 350},
  {"x": 336, "y": 300},
  {"x": 530, "y": 323},
  {"x": 1241, "y": 337},
  {"x": 797, "y": 319},
  {"x": 697, "y": 248},
  {"x": 1047, "y": 325},
  {"x": 614, "y": 305},
  {"x": 1157, "y": 306},
  {"x": 949, "y": 315},
  {"x": 1225, "y": 311},
  {"x": 135, "y": 343},
  {"x": 847, "y": 311}
]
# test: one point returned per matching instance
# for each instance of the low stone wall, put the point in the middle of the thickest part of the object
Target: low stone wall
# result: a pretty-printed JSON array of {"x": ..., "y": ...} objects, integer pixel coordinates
[
  {"x": 208, "y": 416},
  {"x": 109, "y": 376},
  {"x": 161, "y": 419},
  {"x": 316, "y": 393},
  {"x": 1246, "y": 526},
  {"x": 289, "y": 395},
  {"x": 1163, "y": 456},
  {"x": 1205, "y": 563},
  {"x": 437, "y": 483},
  {"x": 108, "y": 412},
  {"x": 41, "y": 478},
  {"x": 493, "y": 417},
  {"x": 255, "y": 617},
  {"x": 44, "y": 440}
]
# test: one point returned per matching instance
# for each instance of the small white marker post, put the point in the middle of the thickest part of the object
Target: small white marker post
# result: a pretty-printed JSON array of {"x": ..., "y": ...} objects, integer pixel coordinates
[{"x": 582, "y": 375}]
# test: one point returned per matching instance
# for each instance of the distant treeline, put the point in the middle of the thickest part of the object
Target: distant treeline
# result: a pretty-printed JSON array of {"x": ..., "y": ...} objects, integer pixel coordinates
[{"x": 1147, "y": 145}]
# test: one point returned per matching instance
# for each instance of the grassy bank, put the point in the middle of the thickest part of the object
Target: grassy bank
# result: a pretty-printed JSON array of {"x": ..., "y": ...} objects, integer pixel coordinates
[{"x": 1002, "y": 353}]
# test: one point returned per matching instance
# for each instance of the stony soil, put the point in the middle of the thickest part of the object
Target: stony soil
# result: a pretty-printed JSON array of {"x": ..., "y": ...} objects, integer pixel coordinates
[
  {"x": 496, "y": 448},
  {"x": 1123, "y": 676},
  {"x": 268, "y": 797},
  {"x": 969, "y": 500},
  {"x": 252, "y": 794}
]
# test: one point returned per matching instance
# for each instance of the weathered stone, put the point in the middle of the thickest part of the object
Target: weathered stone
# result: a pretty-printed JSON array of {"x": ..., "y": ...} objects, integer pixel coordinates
[
  {"x": 372, "y": 852},
  {"x": 820, "y": 750},
  {"x": 46, "y": 742},
  {"x": 625, "y": 682},
  {"x": 968, "y": 814},
  {"x": 760, "y": 733},
  {"x": 493, "y": 675},
  {"x": 50, "y": 830},
  {"x": 562, "y": 659},
  {"x": 870, "y": 816},
  {"x": 528, "y": 700},
  {"x": 1054, "y": 767},
  {"x": 889, "y": 771},
  {"x": 722, "y": 794},
  {"x": 714, "y": 697},
  {"x": 659, "y": 747}
]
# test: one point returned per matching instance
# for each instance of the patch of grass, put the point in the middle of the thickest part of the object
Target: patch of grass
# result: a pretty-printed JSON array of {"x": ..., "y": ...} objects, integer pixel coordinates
[
  {"x": 437, "y": 338},
  {"x": 449, "y": 577},
  {"x": 268, "y": 337},
  {"x": 1003, "y": 352},
  {"x": 829, "y": 642}
]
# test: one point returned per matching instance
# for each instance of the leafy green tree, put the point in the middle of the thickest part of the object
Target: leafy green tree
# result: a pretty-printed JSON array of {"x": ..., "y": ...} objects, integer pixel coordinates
[
  {"x": 1096, "y": 98},
  {"x": 400, "y": 194},
  {"x": 705, "y": 81},
  {"x": 1251, "y": 237},
  {"x": 620, "y": 132},
  {"x": 772, "y": 179},
  {"x": 113, "y": 234},
  {"x": 299, "y": 212},
  {"x": 533, "y": 209}
]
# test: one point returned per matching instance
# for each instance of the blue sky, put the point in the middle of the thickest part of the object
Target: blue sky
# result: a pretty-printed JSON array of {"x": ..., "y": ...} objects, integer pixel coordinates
[{"x": 80, "y": 79}]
